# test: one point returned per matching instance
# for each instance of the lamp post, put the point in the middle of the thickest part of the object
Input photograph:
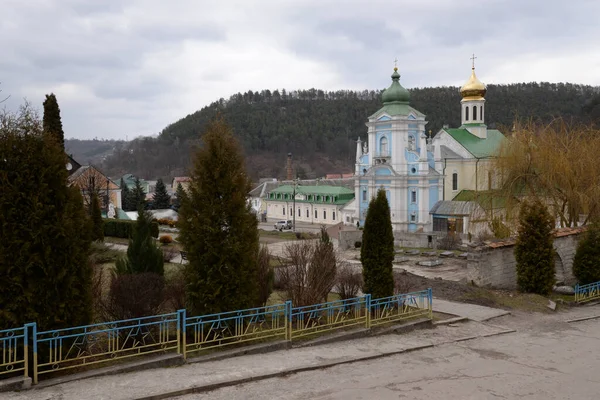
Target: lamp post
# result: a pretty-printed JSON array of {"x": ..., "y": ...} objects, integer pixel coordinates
[{"x": 294, "y": 211}]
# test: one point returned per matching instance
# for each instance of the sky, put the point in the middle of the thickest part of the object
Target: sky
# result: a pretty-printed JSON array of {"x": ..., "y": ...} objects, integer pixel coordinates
[{"x": 122, "y": 69}]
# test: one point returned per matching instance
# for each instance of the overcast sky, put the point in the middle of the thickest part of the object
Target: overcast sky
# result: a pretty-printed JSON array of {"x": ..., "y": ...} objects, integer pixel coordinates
[{"x": 129, "y": 68}]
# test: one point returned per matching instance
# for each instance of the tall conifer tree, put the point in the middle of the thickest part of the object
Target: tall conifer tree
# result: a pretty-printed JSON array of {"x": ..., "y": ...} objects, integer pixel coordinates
[
  {"x": 161, "y": 199},
  {"x": 377, "y": 250},
  {"x": 44, "y": 228},
  {"x": 96, "y": 217},
  {"x": 52, "y": 122},
  {"x": 534, "y": 251},
  {"x": 138, "y": 196},
  {"x": 218, "y": 229}
]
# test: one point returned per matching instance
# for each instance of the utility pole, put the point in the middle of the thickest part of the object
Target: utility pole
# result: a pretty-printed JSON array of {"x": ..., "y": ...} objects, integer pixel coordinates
[{"x": 294, "y": 194}]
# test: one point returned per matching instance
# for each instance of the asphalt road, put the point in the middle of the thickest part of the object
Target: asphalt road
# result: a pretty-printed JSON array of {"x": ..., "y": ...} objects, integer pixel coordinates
[{"x": 545, "y": 360}]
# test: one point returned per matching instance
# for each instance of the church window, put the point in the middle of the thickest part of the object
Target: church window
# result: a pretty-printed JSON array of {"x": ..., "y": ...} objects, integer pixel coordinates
[
  {"x": 291, "y": 211},
  {"x": 364, "y": 196},
  {"x": 467, "y": 113},
  {"x": 324, "y": 214},
  {"x": 481, "y": 113},
  {"x": 413, "y": 217},
  {"x": 383, "y": 146},
  {"x": 411, "y": 143},
  {"x": 474, "y": 113},
  {"x": 413, "y": 196},
  {"x": 299, "y": 212},
  {"x": 283, "y": 210},
  {"x": 316, "y": 216},
  {"x": 333, "y": 215},
  {"x": 455, "y": 181},
  {"x": 307, "y": 213}
]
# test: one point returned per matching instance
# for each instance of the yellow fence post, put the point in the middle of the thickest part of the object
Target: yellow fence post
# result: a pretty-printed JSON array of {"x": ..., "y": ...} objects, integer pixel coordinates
[{"x": 368, "y": 310}]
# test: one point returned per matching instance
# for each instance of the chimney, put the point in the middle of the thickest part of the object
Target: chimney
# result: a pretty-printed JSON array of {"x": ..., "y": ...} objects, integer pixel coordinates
[{"x": 289, "y": 167}]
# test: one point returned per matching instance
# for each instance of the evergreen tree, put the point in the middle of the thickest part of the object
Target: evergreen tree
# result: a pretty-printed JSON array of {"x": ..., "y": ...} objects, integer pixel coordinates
[
  {"x": 179, "y": 197},
  {"x": 126, "y": 197},
  {"x": 161, "y": 199},
  {"x": 96, "y": 217},
  {"x": 377, "y": 250},
  {"x": 138, "y": 196},
  {"x": 586, "y": 264},
  {"x": 52, "y": 122},
  {"x": 44, "y": 228},
  {"x": 143, "y": 255},
  {"x": 534, "y": 250},
  {"x": 218, "y": 229}
]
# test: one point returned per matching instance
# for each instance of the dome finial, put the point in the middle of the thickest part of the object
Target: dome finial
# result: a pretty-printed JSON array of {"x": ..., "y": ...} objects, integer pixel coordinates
[
  {"x": 395, "y": 93},
  {"x": 473, "y": 61},
  {"x": 396, "y": 65}
]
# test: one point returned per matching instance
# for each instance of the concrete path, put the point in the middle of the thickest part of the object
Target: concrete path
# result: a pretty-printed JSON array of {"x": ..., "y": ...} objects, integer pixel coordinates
[
  {"x": 152, "y": 382},
  {"x": 470, "y": 311}
]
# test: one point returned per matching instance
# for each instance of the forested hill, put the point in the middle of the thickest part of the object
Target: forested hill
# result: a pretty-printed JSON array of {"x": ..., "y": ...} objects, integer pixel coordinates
[{"x": 320, "y": 128}]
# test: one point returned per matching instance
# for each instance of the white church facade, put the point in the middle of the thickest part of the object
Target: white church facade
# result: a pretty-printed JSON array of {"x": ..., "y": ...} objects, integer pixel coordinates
[{"x": 421, "y": 175}]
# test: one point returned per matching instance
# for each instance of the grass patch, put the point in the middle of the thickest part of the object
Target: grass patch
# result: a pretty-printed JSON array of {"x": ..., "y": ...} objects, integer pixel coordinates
[
  {"x": 507, "y": 300},
  {"x": 288, "y": 235},
  {"x": 116, "y": 240},
  {"x": 100, "y": 253}
]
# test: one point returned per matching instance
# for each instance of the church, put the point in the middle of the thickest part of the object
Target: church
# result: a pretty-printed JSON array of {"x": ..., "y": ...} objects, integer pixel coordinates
[{"x": 429, "y": 182}]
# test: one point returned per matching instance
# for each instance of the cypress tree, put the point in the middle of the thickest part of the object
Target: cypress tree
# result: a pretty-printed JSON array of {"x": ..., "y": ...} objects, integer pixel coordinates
[
  {"x": 96, "y": 217},
  {"x": 218, "y": 229},
  {"x": 161, "y": 199},
  {"x": 52, "y": 123},
  {"x": 377, "y": 250},
  {"x": 44, "y": 228},
  {"x": 179, "y": 197},
  {"x": 534, "y": 251},
  {"x": 143, "y": 255},
  {"x": 586, "y": 264},
  {"x": 138, "y": 196},
  {"x": 126, "y": 197}
]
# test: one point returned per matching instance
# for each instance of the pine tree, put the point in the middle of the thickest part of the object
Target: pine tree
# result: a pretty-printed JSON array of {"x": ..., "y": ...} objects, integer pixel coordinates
[
  {"x": 126, "y": 197},
  {"x": 44, "y": 228},
  {"x": 534, "y": 250},
  {"x": 96, "y": 217},
  {"x": 143, "y": 255},
  {"x": 52, "y": 122},
  {"x": 218, "y": 229},
  {"x": 377, "y": 250},
  {"x": 179, "y": 197},
  {"x": 586, "y": 264},
  {"x": 138, "y": 196},
  {"x": 161, "y": 199}
]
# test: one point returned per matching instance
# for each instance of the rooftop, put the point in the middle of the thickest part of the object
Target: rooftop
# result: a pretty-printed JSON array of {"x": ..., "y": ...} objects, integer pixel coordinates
[{"x": 479, "y": 147}]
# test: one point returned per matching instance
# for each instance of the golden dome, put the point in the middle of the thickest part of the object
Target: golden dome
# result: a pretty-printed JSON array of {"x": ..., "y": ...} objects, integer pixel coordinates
[{"x": 474, "y": 89}]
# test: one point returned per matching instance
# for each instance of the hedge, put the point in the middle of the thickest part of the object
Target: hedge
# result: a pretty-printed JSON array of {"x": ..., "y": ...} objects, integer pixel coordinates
[{"x": 122, "y": 228}]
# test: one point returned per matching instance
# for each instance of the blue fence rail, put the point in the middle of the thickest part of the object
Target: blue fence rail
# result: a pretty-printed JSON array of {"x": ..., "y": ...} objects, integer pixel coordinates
[
  {"x": 587, "y": 292},
  {"x": 73, "y": 348}
]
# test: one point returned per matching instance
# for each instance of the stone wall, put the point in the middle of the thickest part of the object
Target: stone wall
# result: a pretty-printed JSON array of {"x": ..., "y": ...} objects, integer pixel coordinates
[
  {"x": 346, "y": 239},
  {"x": 494, "y": 264}
]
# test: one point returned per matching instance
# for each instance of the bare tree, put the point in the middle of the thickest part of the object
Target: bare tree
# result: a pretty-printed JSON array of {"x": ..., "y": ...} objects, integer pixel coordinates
[{"x": 349, "y": 282}]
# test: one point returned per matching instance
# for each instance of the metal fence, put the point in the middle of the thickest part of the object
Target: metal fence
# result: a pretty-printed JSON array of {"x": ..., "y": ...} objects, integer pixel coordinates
[
  {"x": 329, "y": 316},
  {"x": 587, "y": 292},
  {"x": 75, "y": 348},
  {"x": 236, "y": 327},
  {"x": 401, "y": 306},
  {"x": 69, "y": 348}
]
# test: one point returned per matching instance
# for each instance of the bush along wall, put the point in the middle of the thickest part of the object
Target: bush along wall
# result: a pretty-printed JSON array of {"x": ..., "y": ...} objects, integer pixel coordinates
[{"x": 123, "y": 228}]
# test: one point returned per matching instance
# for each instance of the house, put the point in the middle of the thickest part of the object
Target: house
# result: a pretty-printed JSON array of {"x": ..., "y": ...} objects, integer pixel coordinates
[
  {"x": 90, "y": 179},
  {"x": 129, "y": 180},
  {"x": 319, "y": 204},
  {"x": 183, "y": 181}
]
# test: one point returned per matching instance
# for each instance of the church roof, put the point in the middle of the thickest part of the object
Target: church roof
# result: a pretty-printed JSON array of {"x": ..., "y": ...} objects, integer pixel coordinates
[
  {"x": 485, "y": 198},
  {"x": 477, "y": 146},
  {"x": 321, "y": 189},
  {"x": 394, "y": 109},
  {"x": 445, "y": 207}
]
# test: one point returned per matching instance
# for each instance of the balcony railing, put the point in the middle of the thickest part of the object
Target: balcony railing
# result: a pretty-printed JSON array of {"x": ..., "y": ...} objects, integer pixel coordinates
[{"x": 382, "y": 157}]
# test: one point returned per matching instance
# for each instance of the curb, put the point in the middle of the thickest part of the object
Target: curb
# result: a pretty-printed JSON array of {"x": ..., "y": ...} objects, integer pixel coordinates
[
  {"x": 213, "y": 386},
  {"x": 582, "y": 319}
]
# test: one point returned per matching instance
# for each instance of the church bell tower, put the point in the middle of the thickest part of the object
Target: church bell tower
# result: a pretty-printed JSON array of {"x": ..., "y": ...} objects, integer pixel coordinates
[{"x": 473, "y": 104}]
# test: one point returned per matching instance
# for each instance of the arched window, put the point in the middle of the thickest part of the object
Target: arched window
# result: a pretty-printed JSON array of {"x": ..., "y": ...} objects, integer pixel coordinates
[
  {"x": 466, "y": 113},
  {"x": 455, "y": 181},
  {"x": 411, "y": 143},
  {"x": 474, "y": 113},
  {"x": 481, "y": 113},
  {"x": 383, "y": 146}
]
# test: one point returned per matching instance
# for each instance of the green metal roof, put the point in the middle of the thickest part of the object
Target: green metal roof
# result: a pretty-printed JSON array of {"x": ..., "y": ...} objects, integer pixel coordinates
[
  {"x": 326, "y": 190},
  {"x": 396, "y": 92},
  {"x": 397, "y": 108},
  {"x": 485, "y": 198},
  {"x": 480, "y": 148}
]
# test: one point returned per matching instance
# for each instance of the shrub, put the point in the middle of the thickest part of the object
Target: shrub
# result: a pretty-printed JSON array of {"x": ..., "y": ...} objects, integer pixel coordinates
[
  {"x": 166, "y": 239},
  {"x": 169, "y": 253},
  {"x": 124, "y": 228},
  {"x": 348, "y": 282},
  {"x": 168, "y": 222},
  {"x": 265, "y": 276},
  {"x": 449, "y": 242},
  {"x": 174, "y": 294},
  {"x": 135, "y": 295},
  {"x": 102, "y": 254},
  {"x": 357, "y": 244},
  {"x": 534, "y": 251},
  {"x": 586, "y": 264},
  {"x": 142, "y": 253}
]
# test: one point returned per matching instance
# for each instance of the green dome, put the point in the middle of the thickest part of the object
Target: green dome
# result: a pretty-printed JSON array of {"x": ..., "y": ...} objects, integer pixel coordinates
[{"x": 395, "y": 93}]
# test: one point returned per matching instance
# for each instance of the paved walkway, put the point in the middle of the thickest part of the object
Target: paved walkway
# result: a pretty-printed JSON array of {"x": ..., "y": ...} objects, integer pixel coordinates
[
  {"x": 141, "y": 384},
  {"x": 470, "y": 311}
]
